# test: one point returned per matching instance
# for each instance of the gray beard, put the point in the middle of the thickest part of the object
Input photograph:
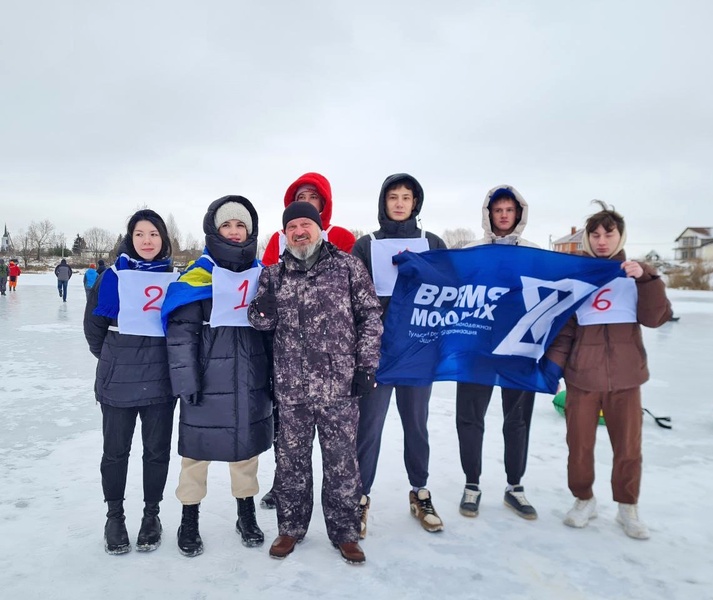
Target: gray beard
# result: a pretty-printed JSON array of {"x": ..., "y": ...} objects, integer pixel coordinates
[{"x": 305, "y": 252}]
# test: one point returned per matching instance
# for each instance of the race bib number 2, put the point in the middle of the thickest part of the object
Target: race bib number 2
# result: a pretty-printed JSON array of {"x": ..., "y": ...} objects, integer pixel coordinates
[{"x": 141, "y": 295}]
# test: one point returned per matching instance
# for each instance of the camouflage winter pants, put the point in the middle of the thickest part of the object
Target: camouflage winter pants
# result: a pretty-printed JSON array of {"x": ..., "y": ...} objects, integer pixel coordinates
[{"x": 336, "y": 425}]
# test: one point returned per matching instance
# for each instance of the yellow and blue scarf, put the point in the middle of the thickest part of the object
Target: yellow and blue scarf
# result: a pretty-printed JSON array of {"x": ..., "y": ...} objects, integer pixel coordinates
[{"x": 194, "y": 284}]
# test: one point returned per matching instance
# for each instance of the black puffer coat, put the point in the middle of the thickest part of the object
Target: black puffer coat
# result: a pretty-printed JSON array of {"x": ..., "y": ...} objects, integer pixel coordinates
[
  {"x": 132, "y": 369},
  {"x": 228, "y": 367}
]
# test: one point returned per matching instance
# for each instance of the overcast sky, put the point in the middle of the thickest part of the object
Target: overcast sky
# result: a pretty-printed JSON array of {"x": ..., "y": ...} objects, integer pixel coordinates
[{"x": 109, "y": 106}]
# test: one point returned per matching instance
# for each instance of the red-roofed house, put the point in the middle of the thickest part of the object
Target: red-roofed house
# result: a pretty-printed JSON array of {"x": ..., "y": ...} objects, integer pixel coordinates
[{"x": 570, "y": 244}]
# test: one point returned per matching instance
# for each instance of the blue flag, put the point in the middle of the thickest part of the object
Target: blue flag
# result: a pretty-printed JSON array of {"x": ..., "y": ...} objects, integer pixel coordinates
[{"x": 484, "y": 314}]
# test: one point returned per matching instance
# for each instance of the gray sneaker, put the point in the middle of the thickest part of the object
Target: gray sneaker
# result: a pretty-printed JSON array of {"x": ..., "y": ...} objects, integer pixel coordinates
[
  {"x": 470, "y": 502},
  {"x": 516, "y": 501}
]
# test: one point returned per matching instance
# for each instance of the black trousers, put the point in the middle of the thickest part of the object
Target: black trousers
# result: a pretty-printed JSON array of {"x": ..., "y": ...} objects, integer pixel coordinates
[
  {"x": 412, "y": 404},
  {"x": 118, "y": 428},
  {"x": 472, "y": 400}
]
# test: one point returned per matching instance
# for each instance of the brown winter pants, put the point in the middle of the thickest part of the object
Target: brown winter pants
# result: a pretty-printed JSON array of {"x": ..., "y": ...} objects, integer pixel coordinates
[{"x": 623, "y": 416}]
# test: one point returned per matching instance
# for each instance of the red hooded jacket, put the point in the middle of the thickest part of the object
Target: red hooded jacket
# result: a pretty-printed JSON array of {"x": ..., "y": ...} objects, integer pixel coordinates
[{"x": 340, "y": 237}]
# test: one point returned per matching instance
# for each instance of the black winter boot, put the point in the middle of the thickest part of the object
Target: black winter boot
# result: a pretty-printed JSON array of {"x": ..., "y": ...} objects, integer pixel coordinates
[
  {"x": 116, "y": 538},
  {"x": 150, "y": 533},
  {"x": 246, "y": 524},
  {"x": 189, "y": 538}
]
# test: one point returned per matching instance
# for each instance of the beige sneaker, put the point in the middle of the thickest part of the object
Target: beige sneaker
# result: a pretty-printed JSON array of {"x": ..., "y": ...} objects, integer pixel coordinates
[
  {"x": 628, "y": 518},
  {"x": 364, "y": 505},
  {"x": 581, "y": 513},
  {"x": 422, "y": 509}
]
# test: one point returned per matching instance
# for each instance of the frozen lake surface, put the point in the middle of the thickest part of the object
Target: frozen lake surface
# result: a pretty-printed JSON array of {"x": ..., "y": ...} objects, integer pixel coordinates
[{"x": 52, "y": 514}]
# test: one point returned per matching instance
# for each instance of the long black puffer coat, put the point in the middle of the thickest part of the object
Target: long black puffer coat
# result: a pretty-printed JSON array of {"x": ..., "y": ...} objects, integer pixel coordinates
[
  {"x": 132, "y": 369},
  {"x": 228, "y": 367}
]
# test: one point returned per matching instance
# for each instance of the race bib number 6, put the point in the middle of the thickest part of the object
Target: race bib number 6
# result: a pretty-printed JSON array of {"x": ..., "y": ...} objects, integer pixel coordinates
[{"x": 614, "y": 302}]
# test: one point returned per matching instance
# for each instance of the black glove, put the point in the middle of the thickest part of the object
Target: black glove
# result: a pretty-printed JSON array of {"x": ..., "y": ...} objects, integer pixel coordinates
[
  {"x": 363, "y": 382},
  {"x": 192, "y": 399},
  {"x": 266, "y": 305}
]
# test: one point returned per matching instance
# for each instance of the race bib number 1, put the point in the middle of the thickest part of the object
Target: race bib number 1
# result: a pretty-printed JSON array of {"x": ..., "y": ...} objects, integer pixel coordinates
[{"x": 232, "y": 293}]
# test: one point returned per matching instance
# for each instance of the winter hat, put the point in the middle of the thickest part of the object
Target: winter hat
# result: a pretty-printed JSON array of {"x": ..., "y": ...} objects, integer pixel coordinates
[
  {"x": 297, "y": 210},
  {"x": 101, "y": 262},
  {"x": 233, "y": 210},
  {"x": 92, "y": 266},
  {"x": 502, "y": 194}
]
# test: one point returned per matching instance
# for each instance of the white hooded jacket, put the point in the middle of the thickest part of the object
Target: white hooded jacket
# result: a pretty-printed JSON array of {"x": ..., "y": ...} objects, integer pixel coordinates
[{"x": 515, "y": 238}]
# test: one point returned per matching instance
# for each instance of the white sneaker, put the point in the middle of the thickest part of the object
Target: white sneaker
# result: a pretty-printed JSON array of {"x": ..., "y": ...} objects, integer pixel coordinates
[
  {"x": 582, "y": 511},
  {"x": 628, "y": 518}
]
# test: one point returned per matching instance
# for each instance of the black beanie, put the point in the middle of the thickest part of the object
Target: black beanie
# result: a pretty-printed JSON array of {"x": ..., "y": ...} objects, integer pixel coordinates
[{"x": 297, "y": 210}]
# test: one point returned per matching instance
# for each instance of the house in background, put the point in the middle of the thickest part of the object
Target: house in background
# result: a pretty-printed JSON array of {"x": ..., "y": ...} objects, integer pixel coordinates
[
  {"x": 570, "y": 244},
  {"x": 695, "y": 243}
]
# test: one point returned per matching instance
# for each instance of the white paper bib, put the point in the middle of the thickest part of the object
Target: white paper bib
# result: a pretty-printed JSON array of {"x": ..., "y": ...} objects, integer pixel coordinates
[
  {"x": 382, "y": 265},
  {"x": 232, "y": 293},
  {"x": 614, "y": 302},
  {"x": 141, "y": 295}
]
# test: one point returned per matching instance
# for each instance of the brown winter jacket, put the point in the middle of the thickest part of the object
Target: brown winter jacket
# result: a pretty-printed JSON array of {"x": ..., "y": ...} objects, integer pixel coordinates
[{"x": 603, "y": 358}]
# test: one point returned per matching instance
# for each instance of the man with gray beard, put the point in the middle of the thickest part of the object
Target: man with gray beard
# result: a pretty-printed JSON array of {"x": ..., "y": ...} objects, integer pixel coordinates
[{"x": 321, "y": 304}]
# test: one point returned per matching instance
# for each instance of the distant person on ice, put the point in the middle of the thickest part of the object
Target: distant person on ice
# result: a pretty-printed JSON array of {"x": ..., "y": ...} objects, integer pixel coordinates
[
  {"x": 124, "y": 332},
  {"x": 604, "y": 361},
  {"x": 14, "y": 273},
  {"x": 101, "y": 266},
  {"x": 89, "y": 279},
  {"x": 504, "y": 217},
  {"x": 220, "y": 368},
  {"x": 4, "y": 271},
  {"x": 63, "y": 272}
]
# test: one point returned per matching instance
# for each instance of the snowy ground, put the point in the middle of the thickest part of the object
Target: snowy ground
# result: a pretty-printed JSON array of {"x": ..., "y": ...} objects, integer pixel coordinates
[{"x": 52, "y": 515}]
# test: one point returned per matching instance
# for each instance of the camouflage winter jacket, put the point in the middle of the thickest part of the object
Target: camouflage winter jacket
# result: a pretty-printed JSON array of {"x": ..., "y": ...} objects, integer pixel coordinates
[{"x": 327, "y": 326}]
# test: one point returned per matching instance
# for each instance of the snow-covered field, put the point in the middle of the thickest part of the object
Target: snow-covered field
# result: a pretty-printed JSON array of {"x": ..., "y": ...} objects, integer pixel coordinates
[{"x": 52, "y": 514}]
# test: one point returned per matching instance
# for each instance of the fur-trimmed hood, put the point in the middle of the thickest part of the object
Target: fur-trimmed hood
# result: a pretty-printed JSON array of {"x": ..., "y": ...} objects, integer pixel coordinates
[{"x": 495, "y": 194}]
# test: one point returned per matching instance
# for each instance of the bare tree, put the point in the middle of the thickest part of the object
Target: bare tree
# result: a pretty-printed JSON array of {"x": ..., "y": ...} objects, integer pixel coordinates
[
  {"x": 115, "y": 248},
  {"x": 99, "y": 242},
  {"x": 191, "y": 243},
  {"x": 24, "y": 246},
  {"x": 40, "y": 235},
  {"x": 358, "y": 233},
  {"x": 457, "y": 238},
  {"x": 174, "y": 234}
]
